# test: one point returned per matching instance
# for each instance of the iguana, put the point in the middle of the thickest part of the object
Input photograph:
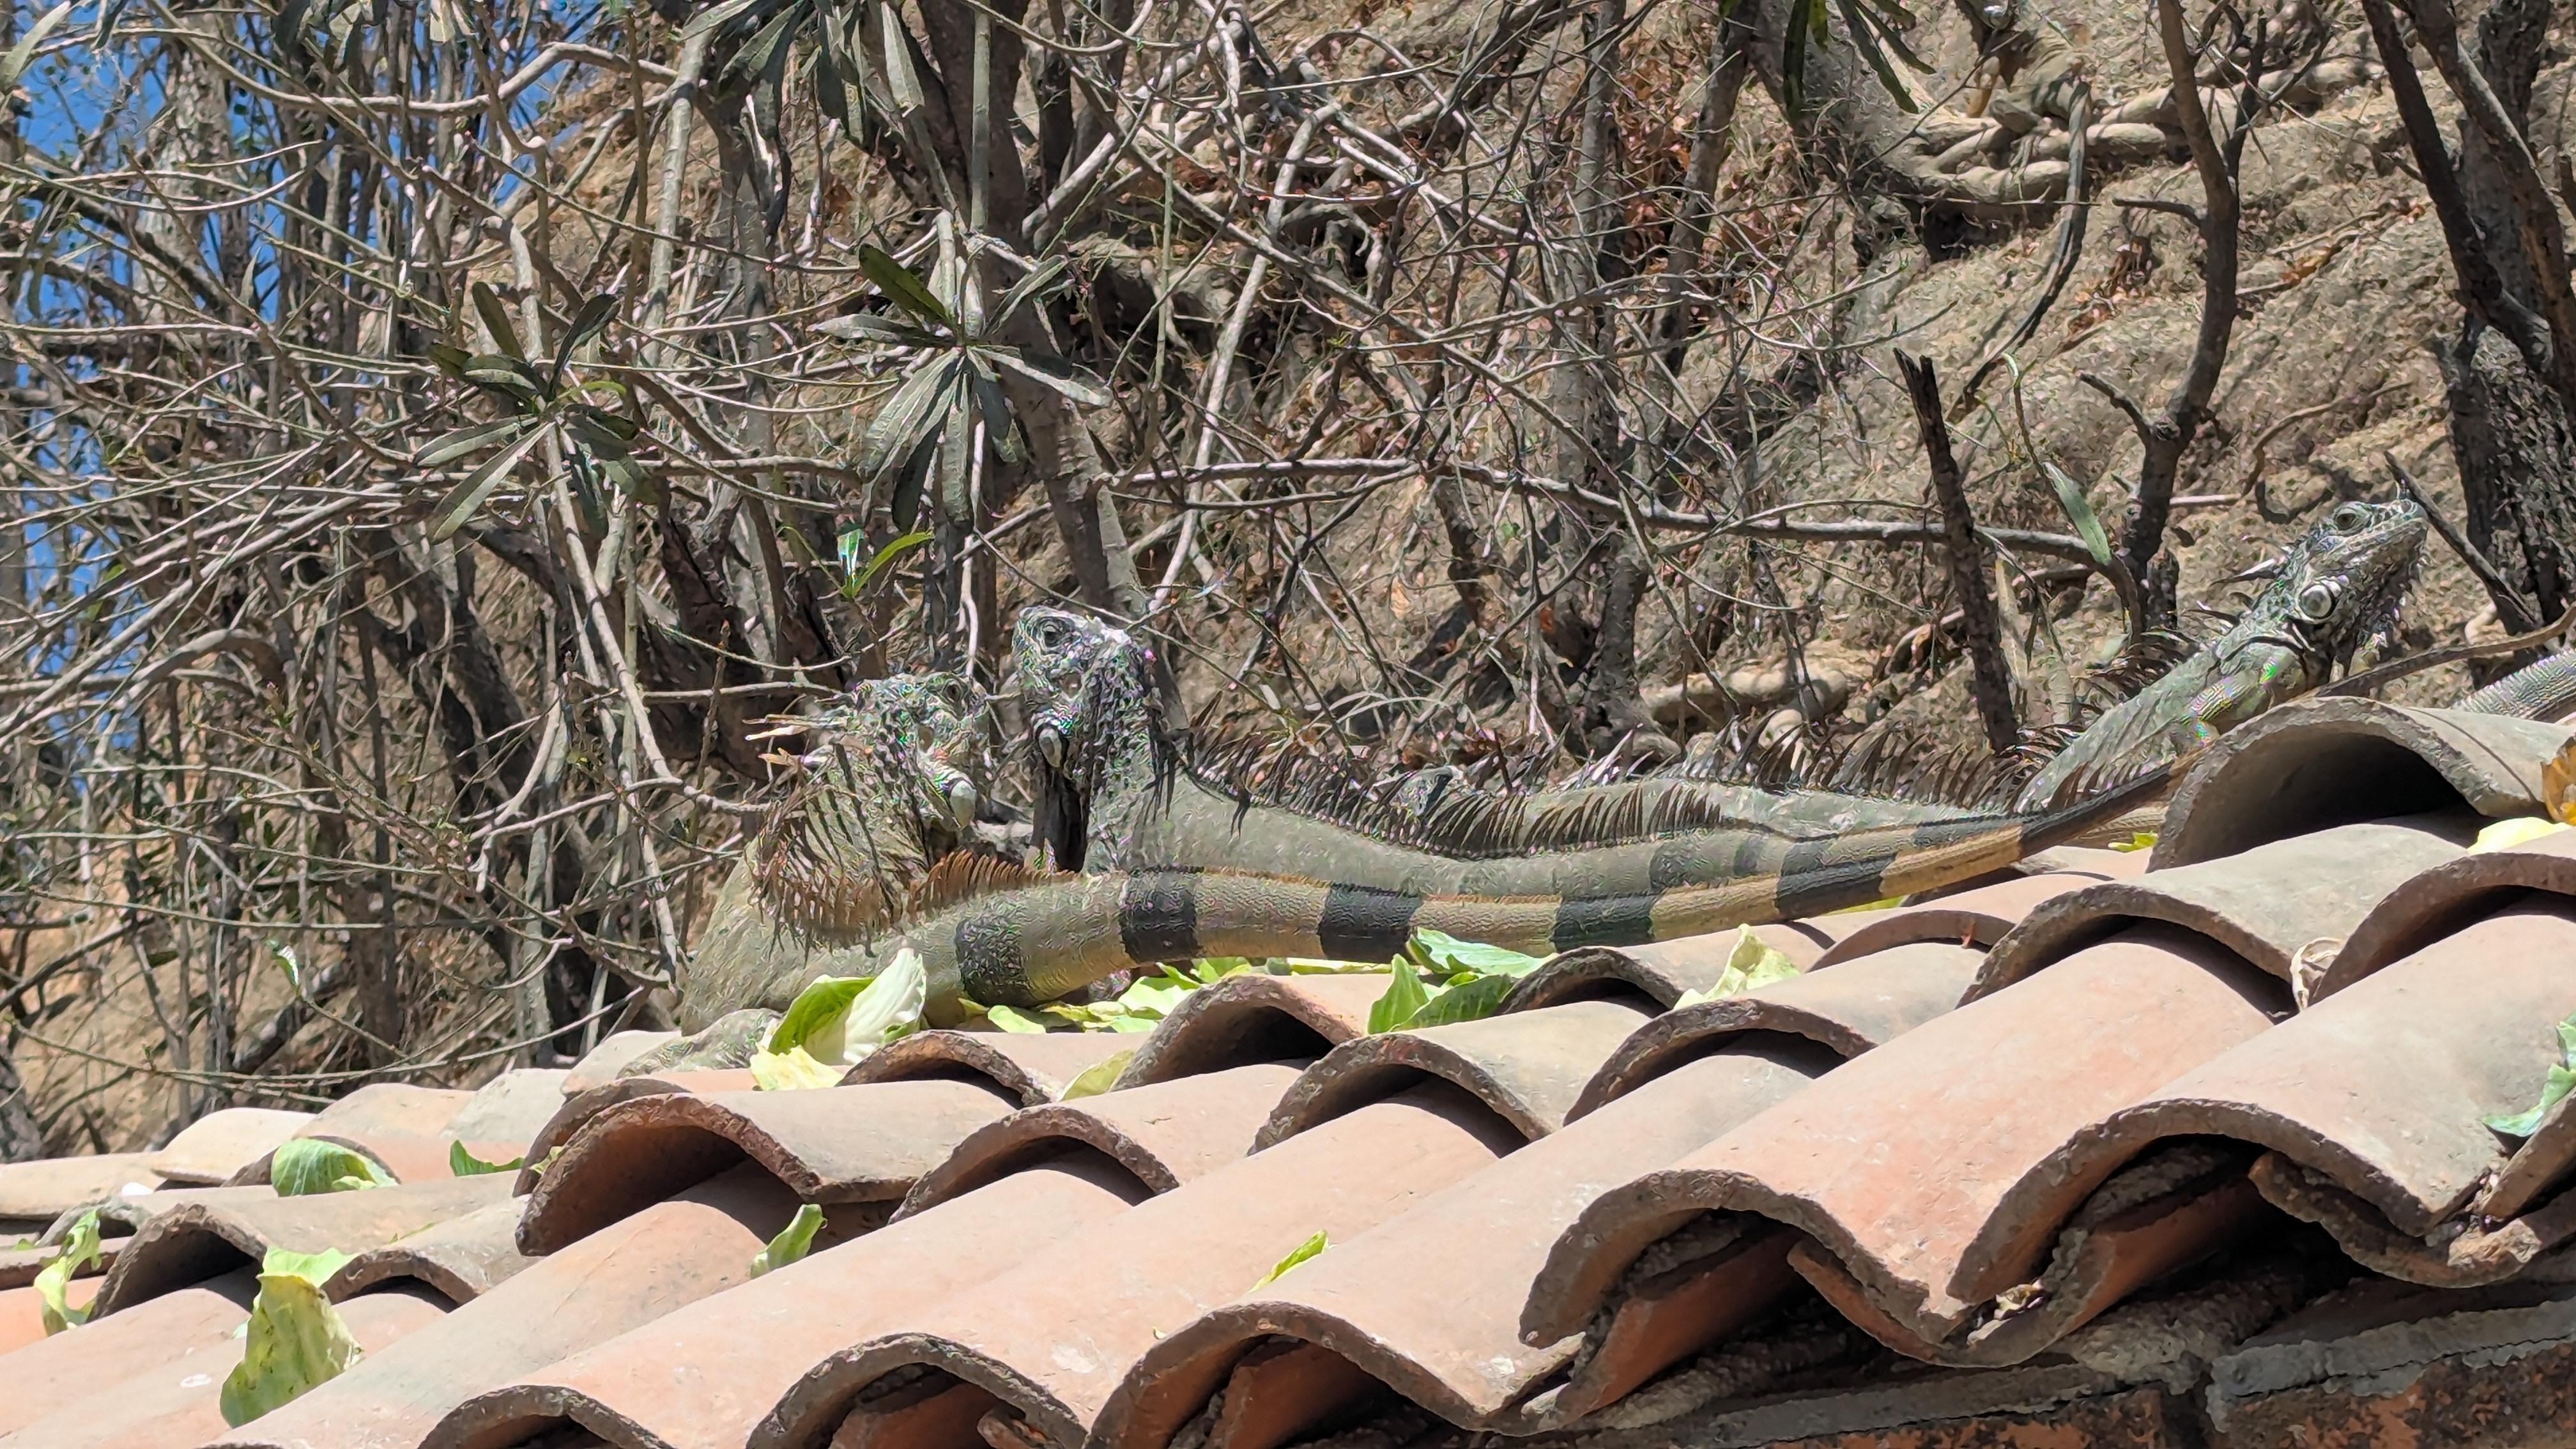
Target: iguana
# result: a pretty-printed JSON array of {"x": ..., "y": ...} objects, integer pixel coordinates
[
  {"x": 991, "y": 933},
  {"x": 1118, "y": 789},
  {"x": 2327, "y": 594},
  {"x": 884, "y": 789}
]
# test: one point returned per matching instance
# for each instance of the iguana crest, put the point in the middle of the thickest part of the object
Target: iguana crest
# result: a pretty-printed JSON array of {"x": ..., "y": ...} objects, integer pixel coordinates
[
  {"x": 883, "y": 791},
  {"x": 1104, "y": 756}
]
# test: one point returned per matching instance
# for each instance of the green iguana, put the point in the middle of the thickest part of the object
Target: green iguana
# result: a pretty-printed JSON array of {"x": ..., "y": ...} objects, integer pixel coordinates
[
  {"x": 2330, "y": 592},
  {"x": 993, "y": 934},
  {"x": 883, "y": 790},
  {"x": 1118, "y": 790}
]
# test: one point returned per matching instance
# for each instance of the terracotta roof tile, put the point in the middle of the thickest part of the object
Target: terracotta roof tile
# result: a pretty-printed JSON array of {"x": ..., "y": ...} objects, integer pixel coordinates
[
  {"x": 580, "y": 1106},
  {"x": 36, "y": 1193},
  {"x": 1527, "y": 1066},
  {"x": 460, "y": 1259},
  {"x": 1659, "y": 973},
  {"x": 402, "y": 1127},
  {"x": 705, "y": 1375},
  {"x": 698, "y": 1242},
  {"x": 2265, "y": 905},
  {"x": 214, "y": 1147},
  {"x": 1027, "y": 1066},
  {"x": 1255, "y": 1019},
  {"x": 1051, "y": 1347},
  {"x": 51, "y": 1372},
  {"x": 178, "y": 1402},
  {"x": 1857, "y": 1004},
  {"x": 1430, "y": 1301},
  {"x": 1984, "y": 1095},
  {"x": 1164, "y": 1133},
  {"x": 204, "y": 1234},
  {"x": 832, "y": 1145}
]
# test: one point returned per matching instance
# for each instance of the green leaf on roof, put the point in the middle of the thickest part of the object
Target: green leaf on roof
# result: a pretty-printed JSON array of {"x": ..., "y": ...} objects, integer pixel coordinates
[
  {"x": 2553, "y": 1089},
  {"x": 1405, "y": 995},
  {"x": 462, "y": 1163},
  {"x": 1752, "y": 963},
  {"x": 1431, "y": 948},
  {"x": 307, "y": 1166},
  {"x": 792, "y": 1243},
  {"x": 1154, "y": 996},
  {"x": 840, "y": 1019},
  {"x": 1100, "y": 1076},
  {"x": 313, "y": 1268},
  {"x": 54, "y": 1280},
  {"x": 793, "y": 1070},
  {"x": 1296, "y": 1255},
  {"x": 295, "y": 1340},
  {"x": 1009, "y": 1020},
  {"x": 2143, "y": 840},
  {"x": 1473, "y": 1000}
]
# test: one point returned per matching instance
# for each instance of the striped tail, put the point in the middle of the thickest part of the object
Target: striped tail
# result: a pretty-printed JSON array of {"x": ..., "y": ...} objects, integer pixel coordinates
[{"x": 1012, "y": 939}]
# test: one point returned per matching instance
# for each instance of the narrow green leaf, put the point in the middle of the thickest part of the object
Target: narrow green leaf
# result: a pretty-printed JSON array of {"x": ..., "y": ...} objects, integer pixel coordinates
[
  {"x": 14, "y": 65},
  {"x": 904, "y": 287},
  {"x": 885, "y": 558},
  {"x": 463, "y": 441},
  {"x": 1055, "y": 372},
  {"x": 709, "y": 19},
  {"x": 462, "y": 1163},
  {"x": 1865, "y": 40},
  {"x": 1296, "y": 1255},
  {"x": 793, "y": 1242},
  {"x": 450, "y": 360},
  {"x": 1404, "y": 996},
  {"x": 999, "y": 429},
  {"x": 1100, "y": 1076},
  {"x": 877, "y": 327},
  {"x": 907, "y": 420},
  {"x": 587, "y": 323},
  {"x": 467, "y": 496},
  {"x": 1035, "y": 283},
  {"x": 54, "y": 1280},
  {"x": 898, "y": 61},
  {"x": 1012, "y": 1021},
  {"x": 295, "y": 1342},
  {"x": 2079, "y": 512},
  {"x": 306, "y": 1166},
  {"x": 496, "y": 320}
]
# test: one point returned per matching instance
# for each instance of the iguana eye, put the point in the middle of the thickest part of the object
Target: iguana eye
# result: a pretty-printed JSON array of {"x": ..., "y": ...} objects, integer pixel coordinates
[
  {"x": 2351, "y": 518},
  {"x": 2316, "y": 601}
]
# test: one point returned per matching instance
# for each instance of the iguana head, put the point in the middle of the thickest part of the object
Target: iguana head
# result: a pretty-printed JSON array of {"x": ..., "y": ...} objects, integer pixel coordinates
[
  {"x": 885, "y": 787},
  {"x": 2341, "y": 586},
  {"x": 1086, "y": 692}
]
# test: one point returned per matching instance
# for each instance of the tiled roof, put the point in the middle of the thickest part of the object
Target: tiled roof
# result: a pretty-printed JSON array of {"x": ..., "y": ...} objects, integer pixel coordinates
[{"x": 2096, "y": 1155}]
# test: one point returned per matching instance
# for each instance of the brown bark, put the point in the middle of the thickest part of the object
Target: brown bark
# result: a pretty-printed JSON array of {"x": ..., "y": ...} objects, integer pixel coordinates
[{"x": 1990, "y": 679}]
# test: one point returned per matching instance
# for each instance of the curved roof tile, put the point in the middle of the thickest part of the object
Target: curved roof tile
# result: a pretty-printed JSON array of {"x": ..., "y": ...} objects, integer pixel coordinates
[
  {"x": 1527, "y": 1066},
  {"x": 1252, "y": 1018},
  {"x": 1859, "y": 1004},
  {"x": 828, "y": 1145},
  {"x": 1052, "y": 1347},
  {"x": 2314, "y": 763},
  {"x": 1033, "y": 1067},
  {"x": 211, "y": 1233},
  {"x": 1165, "y": 1134}
]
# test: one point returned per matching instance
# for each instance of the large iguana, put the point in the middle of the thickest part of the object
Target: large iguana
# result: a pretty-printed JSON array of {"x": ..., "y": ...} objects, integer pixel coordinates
[
  {"x": 1118, "y": 789},
  {"x": 2328, "y": 593},
  {"x": 992, "y": 934},
  {"x": 884, "y": 789}
]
